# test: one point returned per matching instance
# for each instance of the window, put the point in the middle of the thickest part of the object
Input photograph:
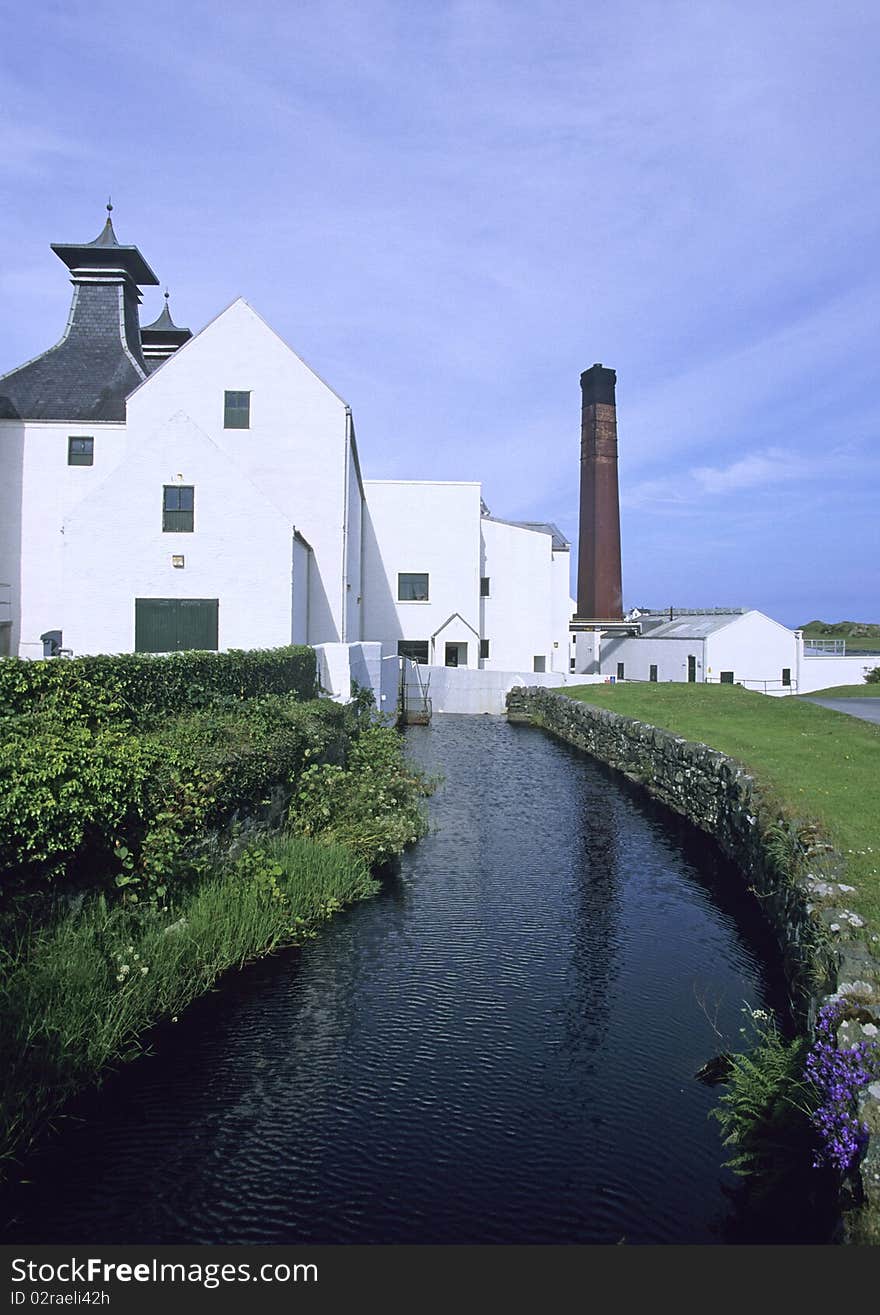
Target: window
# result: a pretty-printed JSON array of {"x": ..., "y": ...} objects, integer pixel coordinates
[
  {"x": 652, "y": 675},
  {"x": 412, "y": 588},
  {"x": 417, "y": 649},
  {"x": 484, "y": 648},
  {"x": 177, "y": 507},
  {"x": 236, "y": 410},
  {"x": 620, "y": 671},
  {"x": 786, "y": 675},
  {"x": 539, "y": 662},
  {"x": 726, "y": 677},
  {"x": 571, "y": 664},
  {"x": 80, "y": 451},
  {"x": 484, "y": 586}
]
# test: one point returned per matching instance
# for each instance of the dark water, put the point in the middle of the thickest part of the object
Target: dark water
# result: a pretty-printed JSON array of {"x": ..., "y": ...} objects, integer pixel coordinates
[{"x": 500, "y": 1047}]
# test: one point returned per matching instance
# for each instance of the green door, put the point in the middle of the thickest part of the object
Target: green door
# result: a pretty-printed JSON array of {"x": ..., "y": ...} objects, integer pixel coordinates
[{"x": 168, "y": 625}]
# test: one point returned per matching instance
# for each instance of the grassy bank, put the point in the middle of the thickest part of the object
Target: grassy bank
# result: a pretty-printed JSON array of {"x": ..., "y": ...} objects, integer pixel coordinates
[
  {"x": 78, "y": 994},
  {"x": 813, "y": 763},
  {"x": 138, "y": 866},
  {"x": 847, "y": 692}
]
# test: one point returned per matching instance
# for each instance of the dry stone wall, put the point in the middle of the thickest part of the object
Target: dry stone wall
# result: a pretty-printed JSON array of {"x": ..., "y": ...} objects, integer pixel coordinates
[{"x": 784, "y": 863}]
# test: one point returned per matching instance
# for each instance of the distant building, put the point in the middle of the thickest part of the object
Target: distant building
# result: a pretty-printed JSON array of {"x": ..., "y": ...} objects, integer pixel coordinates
[
  {"x": 161, "y": 490},
  {"x": 735, "y": 646}
]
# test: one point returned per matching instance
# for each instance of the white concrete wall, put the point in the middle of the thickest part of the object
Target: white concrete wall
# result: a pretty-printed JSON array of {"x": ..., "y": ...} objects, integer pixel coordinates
[
  {"x": 455, "y": 689},
  {"x": 340, "y": 664},
  {"x": 756, "y": 649},
  {"x": 526, "y": 613},
  {"x": 637, "y": 654},
  {"x": 115, "y": 549},
  {"x": 420, "y": 526},
  {"x": 586, "y": 649},
  {"x": 354, "y": 547},
  {"x": 300, "y": 569},
  {"x": 294, "y": 451},
  {"x": 826, "y": 672},
  {"x": 43, "y": 490}
]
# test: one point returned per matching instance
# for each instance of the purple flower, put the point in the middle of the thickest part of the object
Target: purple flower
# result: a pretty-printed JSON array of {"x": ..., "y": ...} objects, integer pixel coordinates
[{"x": 838, "y": 1076}]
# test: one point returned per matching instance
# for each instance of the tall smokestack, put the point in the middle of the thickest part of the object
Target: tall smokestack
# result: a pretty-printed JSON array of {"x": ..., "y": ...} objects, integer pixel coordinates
[{"x": 600, "y": 591}]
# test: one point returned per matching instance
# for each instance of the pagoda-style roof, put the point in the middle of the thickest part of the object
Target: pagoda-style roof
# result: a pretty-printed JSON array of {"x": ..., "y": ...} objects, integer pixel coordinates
[
  {"x": 164, "y": 330},
  {"x": 106, "y": 253},
  {"x": 99, "y": 360}
]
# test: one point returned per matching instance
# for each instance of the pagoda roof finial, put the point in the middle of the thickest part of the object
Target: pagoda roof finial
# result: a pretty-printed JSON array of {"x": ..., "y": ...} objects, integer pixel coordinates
[
  {"x": 164, "y": 326},
  {"x": 105, "y": 251}
]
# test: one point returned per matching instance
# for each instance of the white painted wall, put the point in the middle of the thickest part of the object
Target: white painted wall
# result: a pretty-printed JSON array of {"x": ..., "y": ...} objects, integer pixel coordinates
[
  {"x": 295, "y": 450},
  {"x": 420, "y": 526},
  {"x": 43, "y": 489},
  {"x": 301, "y": 565},
  {"x": 115, "y": 549},
  {"x": 756, "y": 649},
  {"x": 455, "y": 689},
  {"x": 827, "y": 671},
  {"x": 353, "y": 584},
  {"x": 526, "y": 613},
  {"x": 637, "y": 654}
]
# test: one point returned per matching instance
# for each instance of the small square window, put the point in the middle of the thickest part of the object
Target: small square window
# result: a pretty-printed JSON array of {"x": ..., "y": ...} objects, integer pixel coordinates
[
  {"x": 412, "y": 588},
  {"x": 80, "y": 451},
  {"x": 484, "y": 648},
  {"x": 726, "y": 677},
  {"x": 236, "y": 410},
  {"x": 178, "y": 501},
  {"x": 484, "y": 586}
]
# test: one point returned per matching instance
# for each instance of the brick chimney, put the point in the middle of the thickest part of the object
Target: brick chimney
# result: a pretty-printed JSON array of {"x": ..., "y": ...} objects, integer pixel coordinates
[{"x": 600, "y": 589}]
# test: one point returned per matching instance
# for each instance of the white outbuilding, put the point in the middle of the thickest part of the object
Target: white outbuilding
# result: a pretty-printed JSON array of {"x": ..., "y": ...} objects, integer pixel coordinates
[{"x": 736, "y": 646}]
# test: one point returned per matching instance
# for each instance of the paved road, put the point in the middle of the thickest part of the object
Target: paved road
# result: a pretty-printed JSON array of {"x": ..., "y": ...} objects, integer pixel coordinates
[{"x": 866, "y": 709}]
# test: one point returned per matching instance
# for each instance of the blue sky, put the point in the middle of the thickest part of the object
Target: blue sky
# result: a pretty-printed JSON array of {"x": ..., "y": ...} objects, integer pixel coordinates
[{"x": 451, "y": 209}]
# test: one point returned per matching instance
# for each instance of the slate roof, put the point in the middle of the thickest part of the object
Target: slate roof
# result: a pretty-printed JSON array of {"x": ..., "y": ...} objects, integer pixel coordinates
[
  {"x": 694, "y": 626},
  {"x": 98, "y": 362},
  {"x": 560, "y": 543},
  {"x": 86, "y": 376}
]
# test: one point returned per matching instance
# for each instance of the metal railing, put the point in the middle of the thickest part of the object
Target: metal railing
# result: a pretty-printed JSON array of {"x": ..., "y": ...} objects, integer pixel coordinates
[{"x": 813, "y": 647}]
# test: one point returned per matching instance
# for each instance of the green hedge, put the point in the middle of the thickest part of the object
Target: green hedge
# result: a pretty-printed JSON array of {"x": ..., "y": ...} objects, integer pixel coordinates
[
  {"x": 141, "y": 687},
  {"x": 104, "y": 804}
]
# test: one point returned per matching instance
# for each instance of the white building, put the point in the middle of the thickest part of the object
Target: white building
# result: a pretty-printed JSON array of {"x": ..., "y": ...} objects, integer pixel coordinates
[
  {"x": 734, "y": 646},
  {"x": 160, "y": 491}
]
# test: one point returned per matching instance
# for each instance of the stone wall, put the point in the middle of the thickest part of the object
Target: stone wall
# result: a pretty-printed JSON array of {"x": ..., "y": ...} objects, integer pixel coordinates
[{"x": 785, "y": 864}]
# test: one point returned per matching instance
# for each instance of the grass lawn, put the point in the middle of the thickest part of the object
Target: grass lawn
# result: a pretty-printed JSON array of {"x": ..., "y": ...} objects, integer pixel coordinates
[
  {"x": 846, "y": 692},
  {"x": 815, "y": 763}
]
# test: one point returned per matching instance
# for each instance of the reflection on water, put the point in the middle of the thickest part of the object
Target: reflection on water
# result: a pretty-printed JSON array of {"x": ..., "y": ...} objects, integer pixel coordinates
[{"x": 498, "y": 1048}]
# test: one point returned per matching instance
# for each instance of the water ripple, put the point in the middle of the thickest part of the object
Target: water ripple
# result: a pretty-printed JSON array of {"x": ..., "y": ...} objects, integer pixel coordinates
[{"x": 500, "y": 1047}]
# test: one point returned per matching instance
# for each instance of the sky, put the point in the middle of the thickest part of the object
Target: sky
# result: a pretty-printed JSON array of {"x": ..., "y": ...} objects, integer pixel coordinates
[{"x": 450, "y": 210}]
